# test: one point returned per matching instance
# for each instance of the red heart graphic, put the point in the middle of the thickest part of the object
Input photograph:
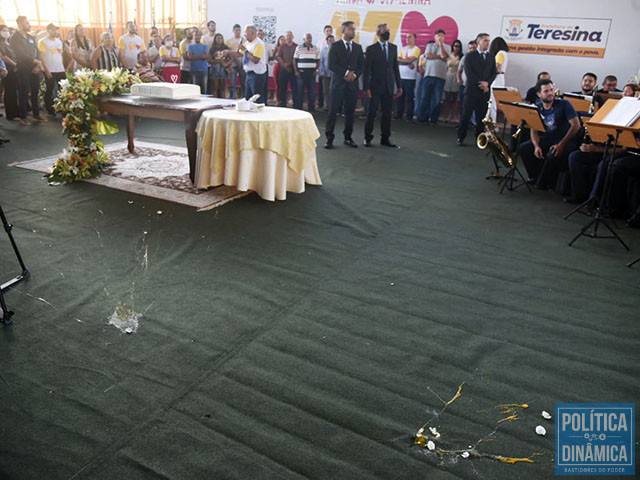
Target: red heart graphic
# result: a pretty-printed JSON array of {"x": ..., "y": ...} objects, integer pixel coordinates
[{"x": 414, "y": 22}]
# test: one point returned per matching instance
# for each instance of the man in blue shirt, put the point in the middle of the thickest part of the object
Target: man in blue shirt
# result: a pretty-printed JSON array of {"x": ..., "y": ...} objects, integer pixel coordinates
[
  {"x": 198, "y": 55},
  {"x": 546, "y": 154}
]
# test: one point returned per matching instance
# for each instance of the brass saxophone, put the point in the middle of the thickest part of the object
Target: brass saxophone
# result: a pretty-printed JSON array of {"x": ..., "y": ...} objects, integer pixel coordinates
[{"x": 489, "y": 139}]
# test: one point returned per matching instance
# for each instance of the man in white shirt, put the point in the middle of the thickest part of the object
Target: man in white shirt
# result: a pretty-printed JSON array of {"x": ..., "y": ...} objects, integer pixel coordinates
[
  {"x": 51, "y": 48},
  {"x": 323, "y": 44},
  {"x": 435, "y": 73},
  {"x": 234, "y": 43},
  {"x": 254, "y": 63},
  {"x": 129, "y": 46},
  {"x": 408, "y": 58},
  {"x": 154, "y": 52},
  {"x": 210, "y": 35}
]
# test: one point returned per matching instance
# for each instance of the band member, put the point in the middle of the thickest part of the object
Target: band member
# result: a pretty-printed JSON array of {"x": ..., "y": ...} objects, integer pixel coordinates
[
  {"x": 480, "y": 70},
  {"x": 610, "y": 85},
  {"x": 546, "y": 154},
  {"x": 587, "y": 160},
  {"x": 588, "y": 87},
  {"x": 381, "y": 75},
  {"x": 346, "y": 62}
]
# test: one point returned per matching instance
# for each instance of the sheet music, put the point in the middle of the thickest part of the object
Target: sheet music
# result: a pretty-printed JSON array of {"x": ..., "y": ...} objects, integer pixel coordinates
[{"x": 625, "y": 113}]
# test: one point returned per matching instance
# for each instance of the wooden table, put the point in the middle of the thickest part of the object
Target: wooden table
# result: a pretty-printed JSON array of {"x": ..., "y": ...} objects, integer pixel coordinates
[{"x": 187, "y": 111}]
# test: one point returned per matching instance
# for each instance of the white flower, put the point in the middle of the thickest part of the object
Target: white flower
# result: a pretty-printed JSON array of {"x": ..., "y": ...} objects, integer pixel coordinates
[
  {"x": 431, "y": 445},
  {"x": 540, "y": 430},
  {"x": 465, "y": 454},
  {"x": 546, "y": 415}
]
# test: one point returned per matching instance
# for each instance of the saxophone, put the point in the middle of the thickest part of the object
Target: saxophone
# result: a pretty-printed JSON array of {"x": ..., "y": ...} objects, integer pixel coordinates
[{"x": 489, "y": 139}]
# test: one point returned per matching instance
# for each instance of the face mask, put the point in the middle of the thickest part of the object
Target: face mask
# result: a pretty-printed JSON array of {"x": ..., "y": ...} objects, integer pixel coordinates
[
  {"x": 385, "y": 36},
  {"x": 169, "y": 43},
  {"x": 5, "y": 35}
]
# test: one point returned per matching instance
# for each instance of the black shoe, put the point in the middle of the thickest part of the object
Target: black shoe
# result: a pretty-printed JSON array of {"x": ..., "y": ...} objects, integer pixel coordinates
[
  {"x": 634, "y": 221},
  {"x": 367, "y": 143},
  {"x": 387, "y": 143},
  {"x": 459, "y": 142},
  {"x": 350, "y": 143},
  {"x": 4, "y": 140},
  {"x": 328, "y": 144}
]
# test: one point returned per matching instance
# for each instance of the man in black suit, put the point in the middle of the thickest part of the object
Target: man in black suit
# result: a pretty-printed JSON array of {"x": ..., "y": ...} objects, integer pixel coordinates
[
  {"x": 381, "y": 75},
  {"x": 480, "y": 69},
  {"x": 346, "y": 62}
]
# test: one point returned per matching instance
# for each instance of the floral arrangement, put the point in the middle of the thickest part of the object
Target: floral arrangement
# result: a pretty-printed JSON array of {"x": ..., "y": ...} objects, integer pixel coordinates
[{"x": 76, "y": 100}]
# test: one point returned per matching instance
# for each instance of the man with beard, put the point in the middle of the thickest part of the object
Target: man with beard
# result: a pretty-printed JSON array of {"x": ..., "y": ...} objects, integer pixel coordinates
[{"x": 546, "y": 154}]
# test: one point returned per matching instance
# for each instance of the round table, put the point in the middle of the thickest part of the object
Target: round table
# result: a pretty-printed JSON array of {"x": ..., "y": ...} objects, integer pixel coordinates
[{"x": 271, "y": 151}]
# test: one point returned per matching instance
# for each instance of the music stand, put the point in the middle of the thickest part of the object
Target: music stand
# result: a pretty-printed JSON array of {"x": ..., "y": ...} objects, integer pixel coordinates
[
  {"x": 525, "y": 116},
  {"x": 581, "y": 103},
  {"x": 610, "y": 95},
  {"x": 616, "y": 135},
  {"x": 7, "y": 314},
  {"x": 506, "y": 94}
]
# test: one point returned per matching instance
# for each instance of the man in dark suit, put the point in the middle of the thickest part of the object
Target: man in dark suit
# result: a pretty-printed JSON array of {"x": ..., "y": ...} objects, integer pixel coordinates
[
  {"x": 480, "y": 69},
  {"x": 381, "y": 75},
  {"x": 346, "y": 62}
]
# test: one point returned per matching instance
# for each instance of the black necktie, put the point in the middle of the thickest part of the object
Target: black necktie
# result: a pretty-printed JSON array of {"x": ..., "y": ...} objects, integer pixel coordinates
[
  {"x": 384, "y": 47},
  {"x": 348, "y": 48},
  {"x": 484, "y": 56}
]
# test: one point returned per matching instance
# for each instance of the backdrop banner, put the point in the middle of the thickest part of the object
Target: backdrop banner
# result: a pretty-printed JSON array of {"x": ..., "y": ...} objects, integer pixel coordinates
[{"x": 563, "y": 44}]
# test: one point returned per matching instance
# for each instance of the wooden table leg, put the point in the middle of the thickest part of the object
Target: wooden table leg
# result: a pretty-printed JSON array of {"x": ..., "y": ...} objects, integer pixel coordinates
[
  {"x": 130, "y": 127},
  {"x": 190, "y": 120}
]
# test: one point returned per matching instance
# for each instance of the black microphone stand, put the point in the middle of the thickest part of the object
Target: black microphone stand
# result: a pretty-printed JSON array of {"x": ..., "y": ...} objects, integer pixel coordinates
[{"x": 7, "y": 314}]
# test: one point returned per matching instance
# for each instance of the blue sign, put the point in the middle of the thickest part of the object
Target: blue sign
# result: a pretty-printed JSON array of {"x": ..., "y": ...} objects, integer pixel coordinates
[{"x": 595, "y": 439}]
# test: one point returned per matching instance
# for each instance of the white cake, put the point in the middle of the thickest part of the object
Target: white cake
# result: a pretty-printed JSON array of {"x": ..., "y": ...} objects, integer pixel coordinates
[{"x": 170, "y": 91}]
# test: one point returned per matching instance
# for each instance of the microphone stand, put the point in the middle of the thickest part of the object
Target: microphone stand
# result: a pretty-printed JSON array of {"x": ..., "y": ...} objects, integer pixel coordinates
[{"x": 7, "y": 314}]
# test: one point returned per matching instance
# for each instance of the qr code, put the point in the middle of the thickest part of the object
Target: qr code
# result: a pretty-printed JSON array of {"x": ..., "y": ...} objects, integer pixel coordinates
[{"x": 268, "y": 24}]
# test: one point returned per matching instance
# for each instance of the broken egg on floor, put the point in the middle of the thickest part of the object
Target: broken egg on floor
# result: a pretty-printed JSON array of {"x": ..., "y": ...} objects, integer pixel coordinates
[
  {"x": 546, "y": 415},
  {"x": 128, "y": 330},
  {"x": 465, "y": 454},
  {"x": 540, "y": 430},
  {"x": 434, "y": 432}
]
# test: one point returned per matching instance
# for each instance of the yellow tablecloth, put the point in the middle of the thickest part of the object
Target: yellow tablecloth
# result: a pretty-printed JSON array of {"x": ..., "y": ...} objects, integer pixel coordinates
[{"x": 224, "y": 134}]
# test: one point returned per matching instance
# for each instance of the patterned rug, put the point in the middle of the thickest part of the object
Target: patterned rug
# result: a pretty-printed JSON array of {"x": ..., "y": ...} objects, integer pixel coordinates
[{"x": 153, "y": 170}]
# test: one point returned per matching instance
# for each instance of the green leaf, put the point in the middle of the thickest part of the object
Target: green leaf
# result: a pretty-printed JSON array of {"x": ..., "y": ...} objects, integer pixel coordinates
[{"x": 105, "y": 127}]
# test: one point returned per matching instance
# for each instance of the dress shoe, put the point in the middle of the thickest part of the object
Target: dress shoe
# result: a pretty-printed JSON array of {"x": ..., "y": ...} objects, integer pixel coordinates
[
  {"x": 387, "y": 143},
  {"x": 459, "y": 142},
  {"x": 350, "y": 143},
  {"x": 367, "y": 143},
  {"x": 634, "y": 221},
  {"x": 328, "y": 144}
]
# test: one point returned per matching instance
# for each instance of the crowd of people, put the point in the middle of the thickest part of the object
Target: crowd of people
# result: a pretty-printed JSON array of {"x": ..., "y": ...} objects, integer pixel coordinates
[{"x": 439, "y": 82}]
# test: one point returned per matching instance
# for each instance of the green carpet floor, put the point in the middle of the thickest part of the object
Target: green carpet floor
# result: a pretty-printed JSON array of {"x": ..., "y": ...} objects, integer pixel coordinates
[{"x": 308, "y": 338}]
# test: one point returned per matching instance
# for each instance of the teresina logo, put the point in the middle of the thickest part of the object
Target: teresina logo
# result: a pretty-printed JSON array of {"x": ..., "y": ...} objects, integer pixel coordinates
[{"x": 568, "y": 34}]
